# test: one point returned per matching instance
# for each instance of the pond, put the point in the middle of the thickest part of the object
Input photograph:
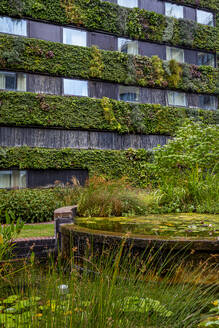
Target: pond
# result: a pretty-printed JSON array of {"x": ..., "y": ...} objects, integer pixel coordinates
[{"x": 166, "y": 226}]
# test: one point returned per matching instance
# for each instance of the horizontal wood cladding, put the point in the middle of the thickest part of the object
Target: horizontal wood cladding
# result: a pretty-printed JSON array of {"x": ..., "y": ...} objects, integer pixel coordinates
[
  {"x": 48, "y": 138},
  {"x": 56, "y": 59},
  {"x": 135, "y": 23}
]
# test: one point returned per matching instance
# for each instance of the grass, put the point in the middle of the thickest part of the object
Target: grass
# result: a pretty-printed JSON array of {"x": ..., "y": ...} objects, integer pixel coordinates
[
  {"x": 110, "y": 294},
  {"x": 37, "y": 230}
]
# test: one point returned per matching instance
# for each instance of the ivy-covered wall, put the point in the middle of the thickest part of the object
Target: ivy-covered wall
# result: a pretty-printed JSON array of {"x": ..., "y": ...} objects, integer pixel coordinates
[
  {"x": 29, "y": 109},
  {"x": 31, "y": 55},
  {"x": 130, "y": 163},
  {"x": 134, "y": 23}
]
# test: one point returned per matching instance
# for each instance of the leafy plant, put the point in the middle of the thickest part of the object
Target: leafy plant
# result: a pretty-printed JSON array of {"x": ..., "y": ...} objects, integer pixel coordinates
[{"x": 8, "y": 232}]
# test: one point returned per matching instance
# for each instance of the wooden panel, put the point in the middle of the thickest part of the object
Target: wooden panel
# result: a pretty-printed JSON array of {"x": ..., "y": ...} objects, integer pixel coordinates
[
  {"x": 57, "y": 138},
  {"x": 190, "y": 56},
  {"x": 189, "y": 13},
  {"x": 152, "y": 49},
  {"x": 44, "y": 31},
  {"x": 153, "y": 5},
  {"x": 193, "y": 100},
  {"x": 41, "y": 178},
  {"x": 101, "y": 89},
  {"x": 102, "y": 41},
  {"x": 44, "y": 84},
  {"x": 153, "y": 96}
]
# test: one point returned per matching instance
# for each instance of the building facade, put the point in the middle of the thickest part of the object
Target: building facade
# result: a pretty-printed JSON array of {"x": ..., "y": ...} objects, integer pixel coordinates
[{"x": 90, "y": 87}]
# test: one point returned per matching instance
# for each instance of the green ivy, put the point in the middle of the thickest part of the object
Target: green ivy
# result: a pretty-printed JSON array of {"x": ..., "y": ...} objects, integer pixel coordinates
[
  {"x": 104, "y": 16},
  {"x": 57, "y": 59},
  {"x": 111, "y": 163},
  {"x": 29, "y": 109}
]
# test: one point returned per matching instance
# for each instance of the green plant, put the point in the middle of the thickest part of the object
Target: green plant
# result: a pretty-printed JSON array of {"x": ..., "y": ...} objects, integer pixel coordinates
[
  {"x": 36, "y": 205},
  {"x": 112, "y": 290},
  {"x": 56, "y": 59},
  {"x": 29, "y": 109},
  {"x": 8, "y": 231},
  {"x": 102, "y": 197}
]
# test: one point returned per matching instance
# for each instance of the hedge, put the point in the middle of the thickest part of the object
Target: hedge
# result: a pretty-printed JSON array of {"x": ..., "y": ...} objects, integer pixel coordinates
[
  {"x": 104, "y": 16},
  {"x": 31, "y": 205},
  {"x": 56, "y": 59},
  {"x": 29, "y": 109},
  {"x": 112, "y": 163}
]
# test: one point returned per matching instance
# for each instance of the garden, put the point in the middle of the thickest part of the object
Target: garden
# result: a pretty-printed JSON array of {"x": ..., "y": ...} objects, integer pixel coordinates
[{"x": 175, "y": 197}]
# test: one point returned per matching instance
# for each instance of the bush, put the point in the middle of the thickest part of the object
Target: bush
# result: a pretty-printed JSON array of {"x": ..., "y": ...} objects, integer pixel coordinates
[
  {"x": 35, "y": 205},
  {"x": 103, "y": 197}
]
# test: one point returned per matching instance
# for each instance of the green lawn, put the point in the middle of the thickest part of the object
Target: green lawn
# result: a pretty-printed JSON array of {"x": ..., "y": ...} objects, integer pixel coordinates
[{"x": 37, "y": 230}]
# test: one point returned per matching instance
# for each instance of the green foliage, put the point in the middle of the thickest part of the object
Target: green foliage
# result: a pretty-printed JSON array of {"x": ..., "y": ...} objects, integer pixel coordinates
[
  {"x": 102, "y": 197},
  {"x": 8, "y": 232},
  {"x": 194, "y": 146},
  {"x": 73, "y": 61},
  {"x": 135, "y": 23},
  {"x": 111, "y": 291},
  {"x": 212, "y": 320},
  {"x": 28, "y": 109},
  {"x": 31, "y": 205}
]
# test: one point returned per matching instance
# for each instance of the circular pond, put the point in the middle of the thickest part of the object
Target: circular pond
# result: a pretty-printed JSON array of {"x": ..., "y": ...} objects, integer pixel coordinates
[
  {"x": 168, "y": 226},
  {"x": 196, "y": 234}
]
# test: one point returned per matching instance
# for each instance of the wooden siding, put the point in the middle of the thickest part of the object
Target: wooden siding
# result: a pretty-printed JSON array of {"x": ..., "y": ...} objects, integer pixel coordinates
[
  {"x": 102, "y": 41},
  {"x": 153, "y": 5},
  {"x": 153, "y": 96},
  {"x": 58, "y": 138},
  {"x": 101, "y": 89},
  {"x": 44, "y": 31},
  {"x": 152, "y": 49},
  {"x": 44, "y": 84}
]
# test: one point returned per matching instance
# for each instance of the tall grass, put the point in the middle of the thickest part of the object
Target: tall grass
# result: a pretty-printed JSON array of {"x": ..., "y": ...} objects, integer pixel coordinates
[
  {"x": 194, "y": 191},
  {"x": 102, "y": 197},
  {"x": 110, "y": 291}
]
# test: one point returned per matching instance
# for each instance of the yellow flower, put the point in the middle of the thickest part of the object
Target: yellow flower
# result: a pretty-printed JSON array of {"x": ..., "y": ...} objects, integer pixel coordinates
[
  {"x": 215, "y": 303},
  {"x": 1, "y": 239},
  {"x": 38, "y": 315}
]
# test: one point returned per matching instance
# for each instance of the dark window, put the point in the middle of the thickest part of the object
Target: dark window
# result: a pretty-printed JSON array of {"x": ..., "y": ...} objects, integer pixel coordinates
[
  {"x": 206, "y": 59},
  {"x": 10, "y": 82},
  {"x": 207, "y": 102},
  {"x": 42, "y": 178}
]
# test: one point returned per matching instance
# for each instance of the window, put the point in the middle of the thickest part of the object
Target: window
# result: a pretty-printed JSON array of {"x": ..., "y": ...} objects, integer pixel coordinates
[
  {"x": 75, "y": 87},
  {"x": 129, "y": 94},
  {"x": 175, "y": 53},
  {"x": 74, "y": 37},
  {"x": 128, "y": 46},
  {"x": 204, "y": 17},
  {"x": 13, "y": 26},
  {"x": 207, "y": 102},
  {"x": 206, "y": 59},
  {"x": 13, "y": 179},
  {"x": 12, "y": 81},
  {"x": 176, "y": 98},
  {"x": 128, "y": 3},
  {"x": 172, "y": 10}
]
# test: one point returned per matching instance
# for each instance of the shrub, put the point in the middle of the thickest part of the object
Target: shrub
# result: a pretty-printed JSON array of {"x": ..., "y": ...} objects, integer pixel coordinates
[
  {"x": 102, "y": 197},
  {"x": 35, "y": 205}
]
